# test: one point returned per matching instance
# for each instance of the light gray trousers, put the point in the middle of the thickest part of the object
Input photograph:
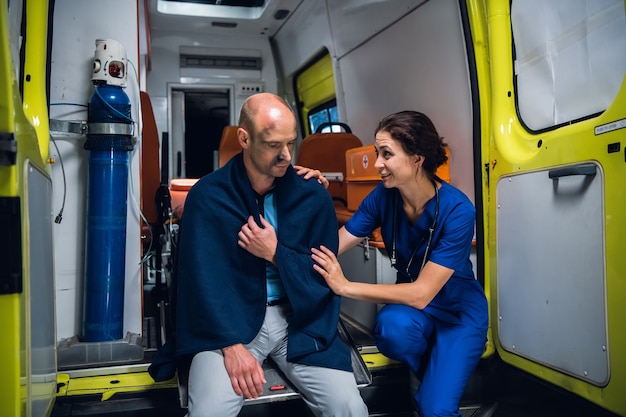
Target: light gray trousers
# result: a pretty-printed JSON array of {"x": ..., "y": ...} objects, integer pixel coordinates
[{"x": 327, "y": 392}]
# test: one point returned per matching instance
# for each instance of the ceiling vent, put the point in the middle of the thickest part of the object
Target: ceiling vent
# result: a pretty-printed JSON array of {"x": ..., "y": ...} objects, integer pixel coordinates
[
  {"x": 214, "y": 61},
  {"x": 229, "y": 25}
]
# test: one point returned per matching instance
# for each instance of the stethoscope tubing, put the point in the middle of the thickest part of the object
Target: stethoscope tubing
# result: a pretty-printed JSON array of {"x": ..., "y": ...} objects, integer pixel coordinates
[{"x": 431, "y": 230}]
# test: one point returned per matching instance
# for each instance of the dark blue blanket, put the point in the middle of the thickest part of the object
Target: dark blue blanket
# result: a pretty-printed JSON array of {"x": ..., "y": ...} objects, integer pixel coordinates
[{"x": 221, "y": 292}]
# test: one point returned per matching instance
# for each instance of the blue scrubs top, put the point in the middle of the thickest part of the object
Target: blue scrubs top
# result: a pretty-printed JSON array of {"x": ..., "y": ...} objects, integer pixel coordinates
[{"x": 450, "y": 247}]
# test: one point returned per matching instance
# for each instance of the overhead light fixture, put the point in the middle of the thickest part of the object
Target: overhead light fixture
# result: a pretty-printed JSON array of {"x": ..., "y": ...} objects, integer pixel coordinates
[{"x": 225, "y": 9}]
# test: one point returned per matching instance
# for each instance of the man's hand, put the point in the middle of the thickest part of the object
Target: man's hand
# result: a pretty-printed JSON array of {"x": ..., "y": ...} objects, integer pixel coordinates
[
  {"x": 259, "y": 241},
  {"x": 245, "y": 372}
]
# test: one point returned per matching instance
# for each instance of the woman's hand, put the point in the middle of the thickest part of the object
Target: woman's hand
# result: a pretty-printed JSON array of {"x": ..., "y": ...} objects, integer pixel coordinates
[
  {"x": 327, "y": 265},
  {"x": 311, "y": 173}
]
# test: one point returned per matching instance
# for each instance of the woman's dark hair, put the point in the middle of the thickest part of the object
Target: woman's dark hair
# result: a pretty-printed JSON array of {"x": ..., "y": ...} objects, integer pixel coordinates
[{"x": 418, "y": 136}]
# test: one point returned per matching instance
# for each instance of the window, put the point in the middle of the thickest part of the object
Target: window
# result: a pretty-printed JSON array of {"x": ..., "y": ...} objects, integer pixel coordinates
[
  {"x": 314, "y": 87},
  {"x": 570, "y": 58},
  {"x": 325, "y": 113}
]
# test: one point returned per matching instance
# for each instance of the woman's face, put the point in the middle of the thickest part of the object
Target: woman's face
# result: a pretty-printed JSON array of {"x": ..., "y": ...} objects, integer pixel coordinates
[{"x": 394, "y": 165}]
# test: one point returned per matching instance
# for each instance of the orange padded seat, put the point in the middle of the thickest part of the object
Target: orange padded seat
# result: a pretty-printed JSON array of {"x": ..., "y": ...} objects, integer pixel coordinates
[
  {"x": 179, "y": 187},
  {"x": 443, "y": 171},
  {"x": 229, "y": 145},
  {"x": 326, "y": 153}
]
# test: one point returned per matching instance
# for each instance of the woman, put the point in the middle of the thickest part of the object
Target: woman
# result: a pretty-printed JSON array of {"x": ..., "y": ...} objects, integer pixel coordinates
[{"x": 435, "y": 318}]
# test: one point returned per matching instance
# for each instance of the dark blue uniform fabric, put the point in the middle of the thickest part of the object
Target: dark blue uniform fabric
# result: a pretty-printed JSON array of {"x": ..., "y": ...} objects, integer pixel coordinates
[
  {"x": 221, "y": 289},
  {"x": 443, "y": 342}
]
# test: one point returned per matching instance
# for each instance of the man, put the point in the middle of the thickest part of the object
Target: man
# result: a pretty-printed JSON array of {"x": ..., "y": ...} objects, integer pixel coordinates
[{"x": 246, "y": 286}]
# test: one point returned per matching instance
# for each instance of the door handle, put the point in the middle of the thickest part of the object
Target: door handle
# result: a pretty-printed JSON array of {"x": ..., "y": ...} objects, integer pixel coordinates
[{"x": 583, "y": 169}]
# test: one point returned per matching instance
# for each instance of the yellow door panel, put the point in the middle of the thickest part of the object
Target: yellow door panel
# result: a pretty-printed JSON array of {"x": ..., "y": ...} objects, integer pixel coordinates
[{"x": 554, "y": 169}]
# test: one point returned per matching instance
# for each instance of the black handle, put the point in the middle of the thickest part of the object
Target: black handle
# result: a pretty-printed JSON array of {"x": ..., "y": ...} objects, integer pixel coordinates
[
  {"x": 165, "y": 158},
  {"x": 583, "y": 169},
  {"x": 344, "y": 126}
]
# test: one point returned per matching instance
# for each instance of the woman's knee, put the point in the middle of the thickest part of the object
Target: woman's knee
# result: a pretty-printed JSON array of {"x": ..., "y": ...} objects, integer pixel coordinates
[{"x": 402, "y": 330}]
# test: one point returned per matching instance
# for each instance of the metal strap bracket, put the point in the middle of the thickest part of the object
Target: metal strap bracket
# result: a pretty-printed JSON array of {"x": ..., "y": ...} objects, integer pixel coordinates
[
  {"x": 67, "y": 126},
  {"x": 84, "y": 128}
]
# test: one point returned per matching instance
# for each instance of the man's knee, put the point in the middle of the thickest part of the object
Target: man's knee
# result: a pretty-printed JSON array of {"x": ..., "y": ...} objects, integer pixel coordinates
[
  {"x": 205, "y": 406},
  {"x": 209, "y": 390},
  {"x": 333, "y": 393},
  {"x": 346, "y": 406}
]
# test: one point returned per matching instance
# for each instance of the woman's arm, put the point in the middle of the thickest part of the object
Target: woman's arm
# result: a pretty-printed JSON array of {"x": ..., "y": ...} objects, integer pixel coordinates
[
  {"x": 347, "y": 240},
  {"x": 416, "y": 294}
]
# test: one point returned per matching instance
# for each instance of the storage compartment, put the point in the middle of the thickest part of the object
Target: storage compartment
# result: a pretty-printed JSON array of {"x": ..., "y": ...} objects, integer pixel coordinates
[
  {"x": 361, "y": 175},
  {"x": 361, "y": 178}
]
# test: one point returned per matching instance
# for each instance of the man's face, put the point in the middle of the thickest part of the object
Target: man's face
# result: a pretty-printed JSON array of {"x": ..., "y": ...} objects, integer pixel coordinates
[{"x": 271, "y": 149}]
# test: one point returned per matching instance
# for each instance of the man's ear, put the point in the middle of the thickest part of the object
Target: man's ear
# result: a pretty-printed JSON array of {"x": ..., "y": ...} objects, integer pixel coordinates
[{"x": 243, "y": 137}]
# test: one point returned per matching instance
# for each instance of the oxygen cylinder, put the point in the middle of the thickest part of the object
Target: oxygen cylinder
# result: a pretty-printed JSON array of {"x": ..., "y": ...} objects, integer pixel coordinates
[{"x": 109, "y": 141}]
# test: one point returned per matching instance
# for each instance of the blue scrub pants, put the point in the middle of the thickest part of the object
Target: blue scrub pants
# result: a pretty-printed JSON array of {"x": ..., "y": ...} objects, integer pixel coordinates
[{"x": 442, "y": 354}]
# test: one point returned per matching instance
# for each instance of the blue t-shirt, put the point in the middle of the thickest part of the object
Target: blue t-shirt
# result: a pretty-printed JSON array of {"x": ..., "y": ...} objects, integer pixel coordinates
[{"x": 275, "y": 288}]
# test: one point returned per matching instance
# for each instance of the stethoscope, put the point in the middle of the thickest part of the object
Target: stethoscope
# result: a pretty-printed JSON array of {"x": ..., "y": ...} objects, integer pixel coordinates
[{"x": 431, "y": 229}]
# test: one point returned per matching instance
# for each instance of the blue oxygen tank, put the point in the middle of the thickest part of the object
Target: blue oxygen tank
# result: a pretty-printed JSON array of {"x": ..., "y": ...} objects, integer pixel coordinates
[{"x": 109, "y": 142}]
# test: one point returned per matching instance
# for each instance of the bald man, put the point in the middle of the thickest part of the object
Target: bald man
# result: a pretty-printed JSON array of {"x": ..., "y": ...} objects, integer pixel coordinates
[{"x": 246, "y": 287}]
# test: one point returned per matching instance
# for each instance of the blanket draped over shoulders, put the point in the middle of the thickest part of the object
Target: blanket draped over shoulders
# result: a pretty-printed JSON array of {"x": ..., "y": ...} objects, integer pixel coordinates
[{"x": 220, "y": 287}]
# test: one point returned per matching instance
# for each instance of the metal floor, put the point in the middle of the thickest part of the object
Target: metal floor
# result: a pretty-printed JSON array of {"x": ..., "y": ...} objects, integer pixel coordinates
[
  {"x": 516, "y": 395},
  {"x": 496, "y": 390}
]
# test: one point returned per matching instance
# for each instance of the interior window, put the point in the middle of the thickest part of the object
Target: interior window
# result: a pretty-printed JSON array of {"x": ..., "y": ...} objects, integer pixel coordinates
[
  {"x": 325, "y": 113},
  {"x": 570, "y": 58},
  {"x": 314, "y": 86}
]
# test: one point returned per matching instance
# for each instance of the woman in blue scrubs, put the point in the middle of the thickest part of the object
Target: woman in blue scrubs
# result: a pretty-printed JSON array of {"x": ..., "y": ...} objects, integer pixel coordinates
[{"x": 435, "y": 317}]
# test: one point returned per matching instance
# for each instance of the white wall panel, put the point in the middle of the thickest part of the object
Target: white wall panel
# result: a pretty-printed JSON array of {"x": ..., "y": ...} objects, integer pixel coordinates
[
  {"x": 420, "y": 64},
  {"x": 304, "y": 35},
  {"x": 355, "y": 21},
  {"x": 407, "y": 55},
  {"x": 166, "y": 47}
]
